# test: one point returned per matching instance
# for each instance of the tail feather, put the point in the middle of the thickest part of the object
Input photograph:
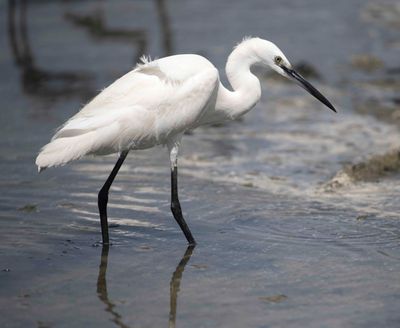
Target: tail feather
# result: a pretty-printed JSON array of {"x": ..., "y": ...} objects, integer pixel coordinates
[
  {"x": 70, "y": 147},
  {"x": 63, "y": 150}
]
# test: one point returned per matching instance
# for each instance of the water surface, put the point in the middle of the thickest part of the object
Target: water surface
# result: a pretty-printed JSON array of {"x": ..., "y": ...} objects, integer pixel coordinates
[{"x": 293, "y": 230}]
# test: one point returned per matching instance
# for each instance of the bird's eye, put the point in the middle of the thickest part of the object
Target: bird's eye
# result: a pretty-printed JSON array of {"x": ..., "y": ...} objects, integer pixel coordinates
[{"x": 278, "y": 60}]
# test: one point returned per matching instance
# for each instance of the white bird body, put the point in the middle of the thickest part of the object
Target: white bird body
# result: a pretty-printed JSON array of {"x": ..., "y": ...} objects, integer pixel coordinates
[
  {"x": 148, "y": 106},
  {"x": 157, "y": 102}
]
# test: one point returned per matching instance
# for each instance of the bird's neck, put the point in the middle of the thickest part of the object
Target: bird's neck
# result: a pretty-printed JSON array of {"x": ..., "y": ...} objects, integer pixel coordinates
[{"x": 246, "y": 86}]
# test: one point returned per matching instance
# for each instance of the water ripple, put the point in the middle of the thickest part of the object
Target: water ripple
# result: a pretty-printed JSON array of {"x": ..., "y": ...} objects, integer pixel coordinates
[{"x": 321, "y": 230}]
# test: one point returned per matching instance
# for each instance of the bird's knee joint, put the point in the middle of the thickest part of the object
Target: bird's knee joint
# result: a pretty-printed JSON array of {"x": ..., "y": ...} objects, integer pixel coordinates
[
  {"x": 103, "y": 196},
  {"x": 175, "y": 207}
]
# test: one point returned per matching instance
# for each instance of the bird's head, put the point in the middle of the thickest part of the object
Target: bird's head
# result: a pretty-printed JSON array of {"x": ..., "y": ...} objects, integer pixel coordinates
[{"x": 268, "y": 54}]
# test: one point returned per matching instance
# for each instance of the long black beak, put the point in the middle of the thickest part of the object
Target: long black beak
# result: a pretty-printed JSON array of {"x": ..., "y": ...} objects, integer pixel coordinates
[{"x": 308, "y": 86}]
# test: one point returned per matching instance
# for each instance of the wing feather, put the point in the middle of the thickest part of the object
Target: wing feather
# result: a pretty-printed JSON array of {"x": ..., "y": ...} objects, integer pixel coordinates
[{"x": 143, "y": 108}]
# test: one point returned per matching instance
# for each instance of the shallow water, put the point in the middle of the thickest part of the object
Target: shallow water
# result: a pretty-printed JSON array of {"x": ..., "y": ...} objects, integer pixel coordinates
[{"x": 287, "y": 237}]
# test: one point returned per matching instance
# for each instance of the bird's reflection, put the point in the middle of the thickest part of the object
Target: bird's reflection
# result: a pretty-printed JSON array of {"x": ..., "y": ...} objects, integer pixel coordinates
[
  {"x": 102, "y": 289},
  {"x": 174, "y": 287},
  {"x": 175, "y": 283}
]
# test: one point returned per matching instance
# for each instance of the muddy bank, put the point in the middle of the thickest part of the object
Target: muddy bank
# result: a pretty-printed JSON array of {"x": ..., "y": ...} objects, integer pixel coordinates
[{"x": 374, "y": 168}]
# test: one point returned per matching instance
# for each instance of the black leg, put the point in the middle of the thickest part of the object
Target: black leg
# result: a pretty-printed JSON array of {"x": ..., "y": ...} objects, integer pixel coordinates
[
  {"x": 103, "y": 197},
  {"x": 176, "y": 207}
]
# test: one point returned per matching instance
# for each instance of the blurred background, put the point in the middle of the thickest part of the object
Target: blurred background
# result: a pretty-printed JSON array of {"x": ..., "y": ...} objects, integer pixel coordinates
[{"x": 295, "y": 209}]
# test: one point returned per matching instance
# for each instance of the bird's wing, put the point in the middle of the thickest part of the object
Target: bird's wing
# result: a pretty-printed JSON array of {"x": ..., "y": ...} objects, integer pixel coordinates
[
  {"x": 173, "y": 96},
  {"x": 141, "y": 109}
]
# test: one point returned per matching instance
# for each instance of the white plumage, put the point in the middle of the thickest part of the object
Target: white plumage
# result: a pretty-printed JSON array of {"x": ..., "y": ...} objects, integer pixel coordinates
[
  {"x": 146, "y": 107},
  {"x": 157, "y": 102}
]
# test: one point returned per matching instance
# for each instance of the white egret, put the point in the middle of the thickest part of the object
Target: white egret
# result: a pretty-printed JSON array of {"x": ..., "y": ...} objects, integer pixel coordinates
[{"x": 156, "y": 102}]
